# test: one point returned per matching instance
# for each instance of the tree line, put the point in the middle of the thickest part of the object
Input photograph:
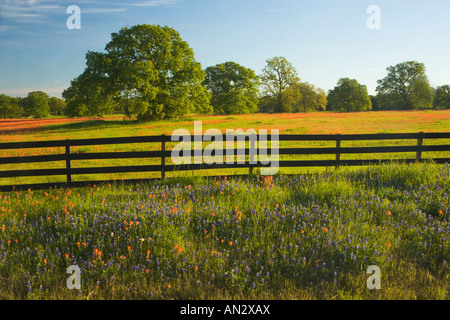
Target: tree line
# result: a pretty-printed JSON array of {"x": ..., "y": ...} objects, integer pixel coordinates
[
  {"x": 150, "y": 73},
  {"x": 36, "y": 104}
]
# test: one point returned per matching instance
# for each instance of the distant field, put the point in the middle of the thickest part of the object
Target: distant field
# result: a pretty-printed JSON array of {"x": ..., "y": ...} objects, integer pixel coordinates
[
  {"x": 309, "y": 123},
  {"x": 300, "y": 123}
]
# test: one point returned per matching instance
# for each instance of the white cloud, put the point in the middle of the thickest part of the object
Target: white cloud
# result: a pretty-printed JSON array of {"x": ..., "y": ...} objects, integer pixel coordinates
[
  {"x": 102, "y": 10},
  {"x": 24, "y": 10},
  {"x": 153, "y": 3}
]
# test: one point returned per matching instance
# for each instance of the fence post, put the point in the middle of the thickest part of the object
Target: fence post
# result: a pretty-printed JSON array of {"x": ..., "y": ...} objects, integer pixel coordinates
[
  {"x": 338, "y": 151},
  {"x": 419, "y": 147},
  {"x": 251, "y": 157},
  {"x": 68, "y": 163},
  {"x": 163, "y": 157}
]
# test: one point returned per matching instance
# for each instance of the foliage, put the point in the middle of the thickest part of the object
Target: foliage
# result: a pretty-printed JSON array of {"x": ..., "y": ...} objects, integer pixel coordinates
[
  {"x": 234, "y": 88},
  {"x": 10, "y": 108},
  {"x": 36, "y": 104},
  {"x": 408, "y": 83},
  {"x": 149, "y": 64},
  {"x": 278, "y": 75},
  {"x": 349, "y": 95},
  {"x": 56, "y": 105},
  {"x": 304, "y": 97},
  {"x": 442, "y": 97},
  {"x": 88, "y": 94}
]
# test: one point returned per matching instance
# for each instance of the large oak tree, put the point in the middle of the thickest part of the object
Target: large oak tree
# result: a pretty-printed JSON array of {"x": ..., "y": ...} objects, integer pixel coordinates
[
  {"x": 147, "y": 68},
  {"x": 407, "y": 83}
]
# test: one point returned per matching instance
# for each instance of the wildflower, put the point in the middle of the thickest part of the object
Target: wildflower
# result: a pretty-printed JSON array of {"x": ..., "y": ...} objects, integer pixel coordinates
[
  {"x": 388, "y": 245},
  {"x": 147, "y": 271},
  {"x": 441, "y": 213},
  {"x": 66, "y": 256},
  {"x": 325, "y": 229},
  {"x": 388, "y": 213},
  {"x": 230, "y": 243}
]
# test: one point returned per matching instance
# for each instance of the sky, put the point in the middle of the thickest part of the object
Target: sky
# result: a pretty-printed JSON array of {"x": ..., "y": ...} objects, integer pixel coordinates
[{"x": 325, "y": 40}]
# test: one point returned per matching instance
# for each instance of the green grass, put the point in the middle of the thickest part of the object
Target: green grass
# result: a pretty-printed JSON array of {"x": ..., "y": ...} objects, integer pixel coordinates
[
  {"x": 308, "y": 236},
  {"x": 315, "y": 233},
  {"x": 311, "y": 123}
]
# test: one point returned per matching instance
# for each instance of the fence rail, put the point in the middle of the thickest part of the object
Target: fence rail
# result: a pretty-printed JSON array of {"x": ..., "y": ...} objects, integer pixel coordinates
[{"x": 68, "y": 156}]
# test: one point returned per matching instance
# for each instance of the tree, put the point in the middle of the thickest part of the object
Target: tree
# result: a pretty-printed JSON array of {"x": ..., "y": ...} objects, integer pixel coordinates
[
  {"x": 349, "y": 95},
  {"x": 10, "y": 108},
  {"x": 388, "y": 101},
  {"x": 442, "y": 97},
  {"x": 422, "y": 94},
  {"x": 304, "y": 97},
  {"x": 148, "y": 68},
  {"x": 56, "y": 106},
  {"x": 88, "y": 95},
  {"x": 234, "y": 88},
  {"x": 277, "y": 75},
  {"x": 407, "y": 81},
  {"x": 36, "y": 105},
  {"x": 375, "y": 103}
]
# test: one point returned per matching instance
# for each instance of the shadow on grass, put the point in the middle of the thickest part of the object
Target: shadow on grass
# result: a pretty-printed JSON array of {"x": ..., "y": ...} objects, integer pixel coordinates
[{"x": 90, "y": 124}]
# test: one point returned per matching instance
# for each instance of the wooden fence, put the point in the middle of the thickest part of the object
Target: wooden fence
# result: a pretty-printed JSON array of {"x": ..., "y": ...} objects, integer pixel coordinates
[{"x": 68, "y": 156}]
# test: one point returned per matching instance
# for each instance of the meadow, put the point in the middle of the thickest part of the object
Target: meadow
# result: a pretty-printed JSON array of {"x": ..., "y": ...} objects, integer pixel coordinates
[
  {"x": 306, "y": 236},
  {"x": 281, "y": 237},
  {"x": 309, "y": 123}
]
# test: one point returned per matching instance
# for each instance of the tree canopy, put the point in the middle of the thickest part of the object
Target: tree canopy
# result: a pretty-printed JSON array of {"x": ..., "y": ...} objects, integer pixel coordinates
[
  {"x": 442, "y": 97},
  {"x": 277, "y": 76},
  {"x": 149, "y": 69},
  {"x": 349, "y": 95},
  {"x": 35, "y": 104},
  {"x": 304, "y": 97},
  {"x": 408, "y": 84},
  {"x": 234, "y": 88},
  {"x": 10, "y": 108},
  {"x": 56, "y": 105}
]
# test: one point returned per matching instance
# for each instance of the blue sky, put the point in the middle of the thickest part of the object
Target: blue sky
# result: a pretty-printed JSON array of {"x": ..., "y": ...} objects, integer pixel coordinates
[{"x": 324, "y": 39}]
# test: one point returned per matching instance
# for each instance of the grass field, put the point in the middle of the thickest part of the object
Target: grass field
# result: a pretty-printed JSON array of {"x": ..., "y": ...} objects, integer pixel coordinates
[
  {"x": 310, "y": 123},
  {"x": 308, "y": 236}
]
